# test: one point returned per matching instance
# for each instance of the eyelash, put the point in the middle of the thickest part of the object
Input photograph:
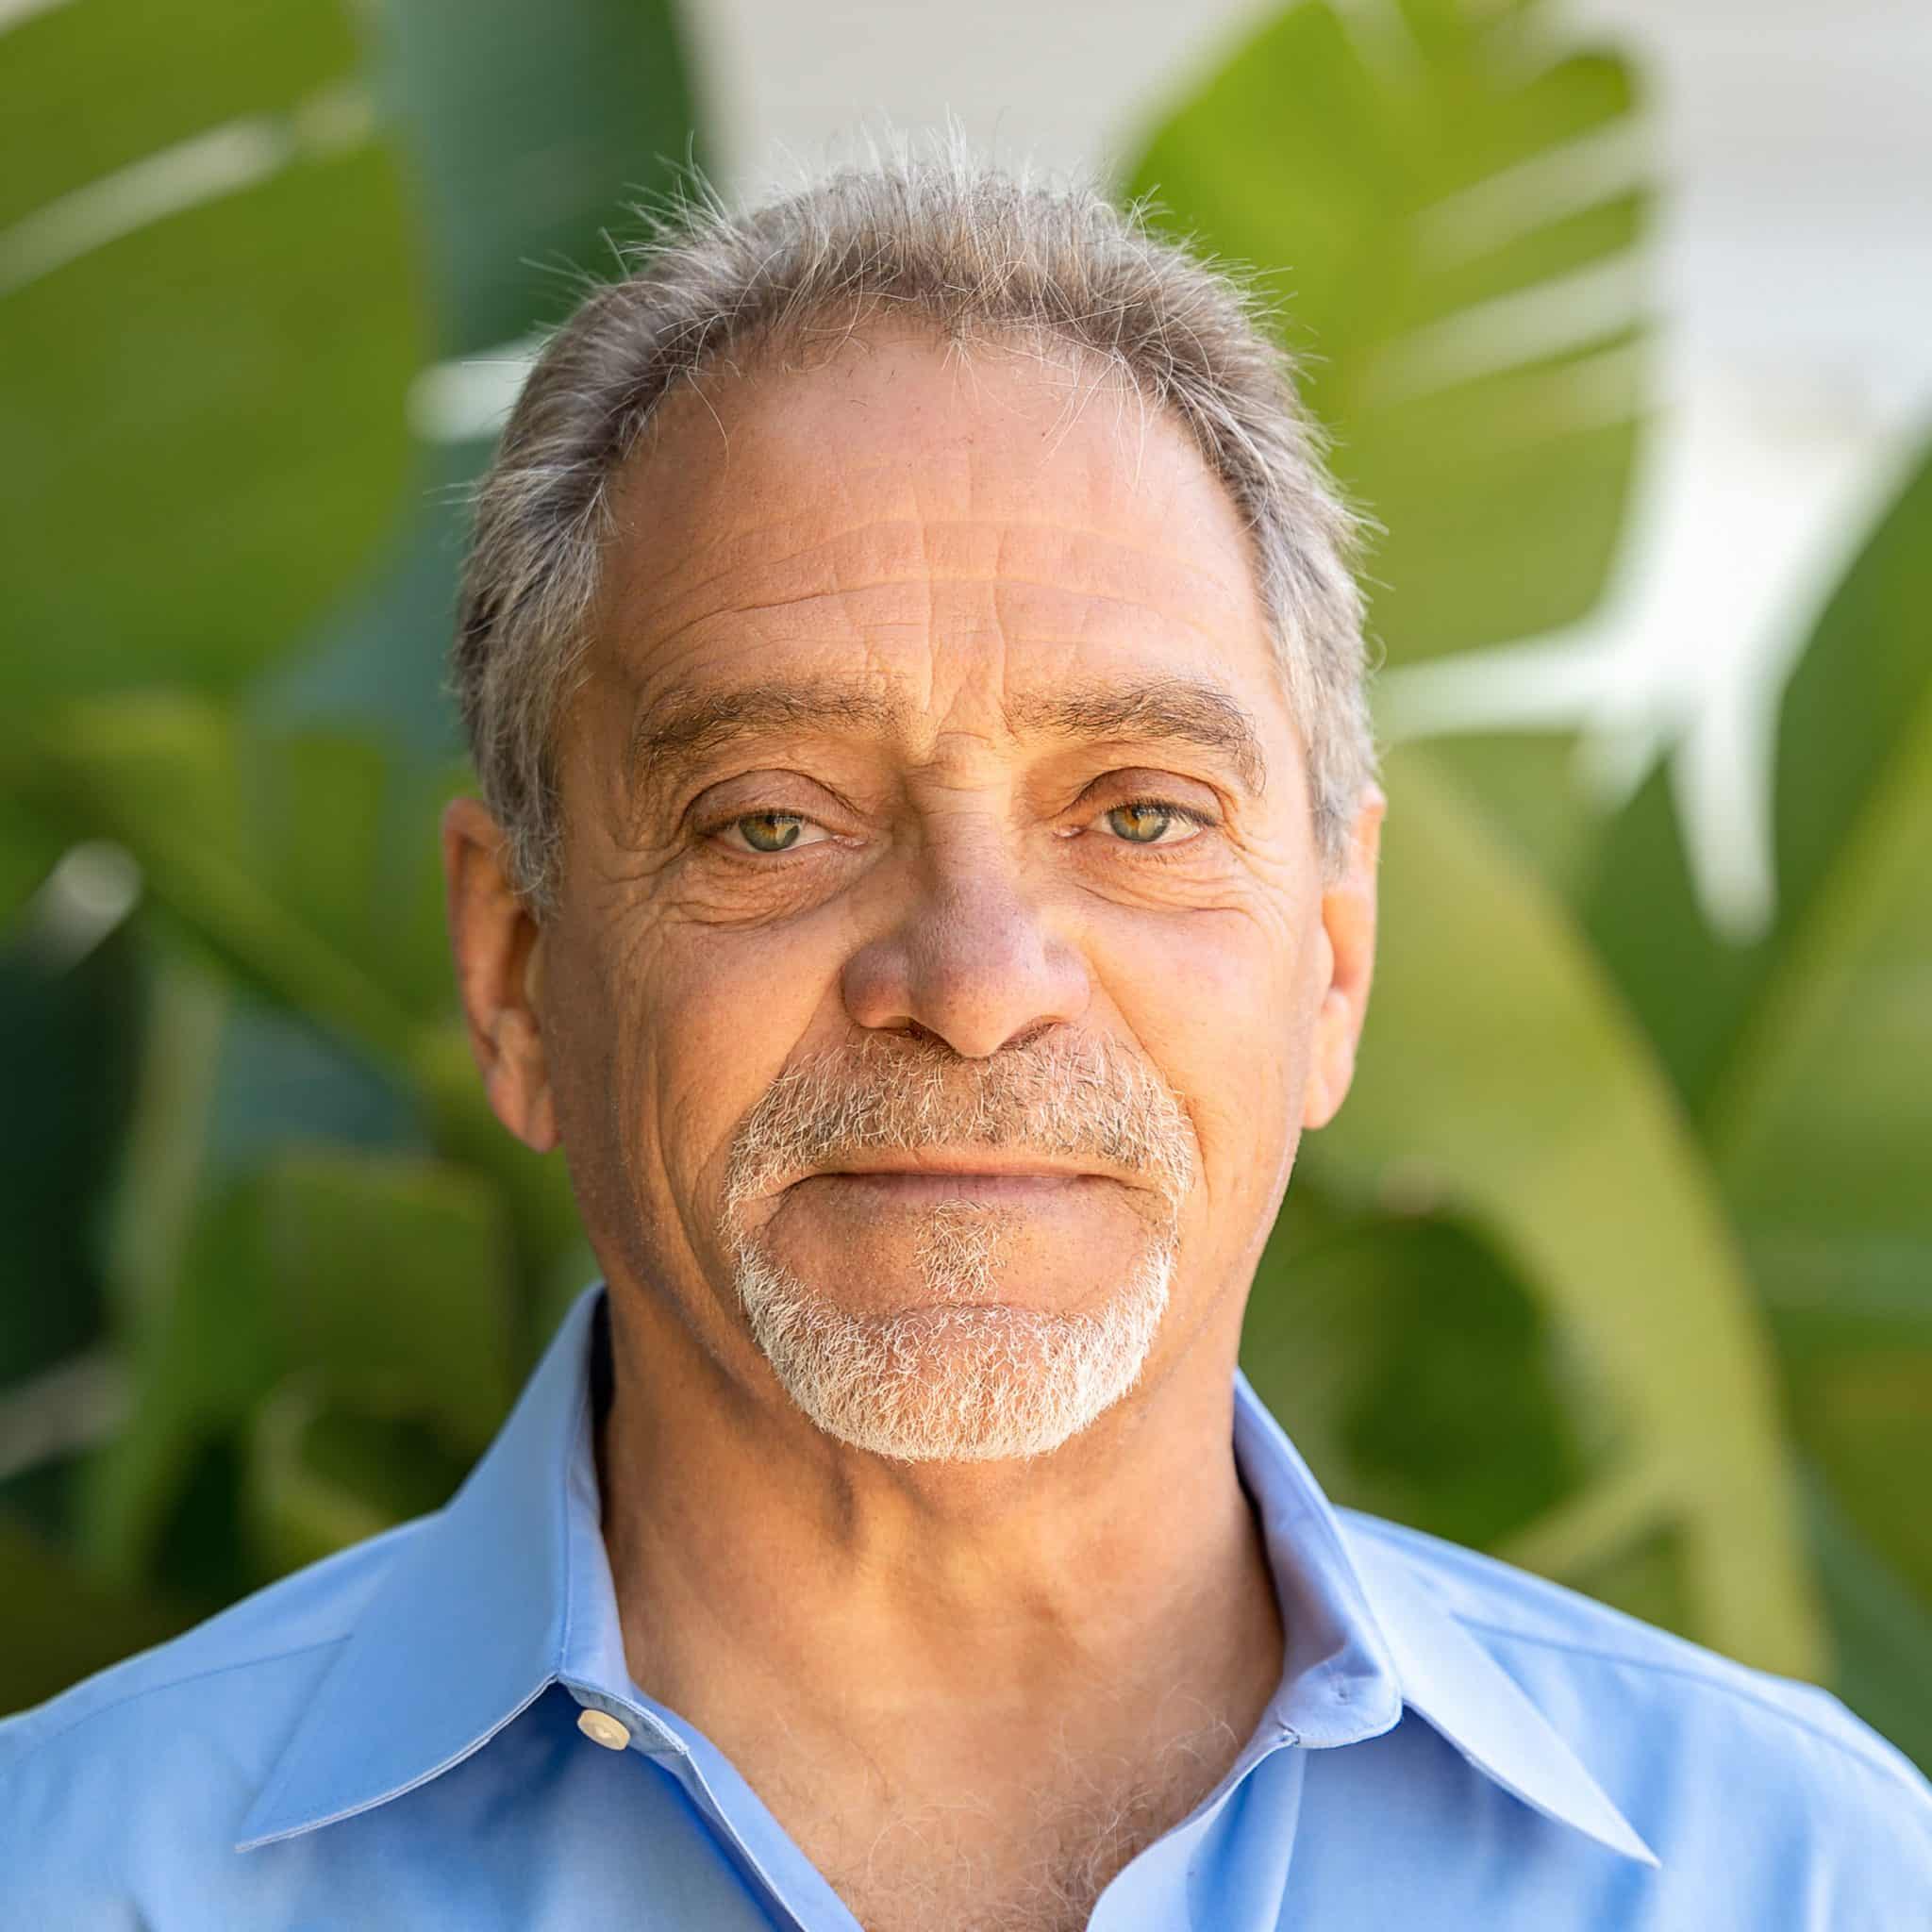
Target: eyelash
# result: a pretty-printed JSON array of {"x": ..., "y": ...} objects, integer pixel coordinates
[{"x": 1185, "y": 814}]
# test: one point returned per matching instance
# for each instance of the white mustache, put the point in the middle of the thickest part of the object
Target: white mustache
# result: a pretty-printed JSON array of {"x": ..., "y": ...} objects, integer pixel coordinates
[{"x": 1083, "y": 1097}]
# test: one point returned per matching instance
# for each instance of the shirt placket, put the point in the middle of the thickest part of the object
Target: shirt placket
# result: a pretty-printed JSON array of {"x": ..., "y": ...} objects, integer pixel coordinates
[
  {"x": 1225, "y": 1867},
  {"x": 619, "y": 1724}
]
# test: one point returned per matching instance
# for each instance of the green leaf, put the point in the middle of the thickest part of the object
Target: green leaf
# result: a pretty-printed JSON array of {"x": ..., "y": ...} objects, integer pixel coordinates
[
  {"x": 1849, "y": 810},
  {"x": 1824, "y": 1114},
  {"x": 390, "y": 1278},
  {"x": 531, "y": 129},
  {"x": 220, "y": 318},
  {"x": 321, "y": 1476},
  {"x": 1882, "y": 1629},
  {"x": 206, "y": 1354},
  {"x": 1416, "y": 1371},
  {"x": 1805, "y": 1052},
  {"x": 63, "y": 1625},
  {"x": 68, "y": 1045},
  {"x": 1529, "y": 789},
  {"x": 391, "y": 1284},
  {"x": 386, "y": 1277},
  {"x": 1865, "y": 1414},
  {"x": 246, "y": 452},
  {"x": 1644, "y": 1577},
  {"x": 285, "y": 856},
  {"x": 1501, "y": 1075},
  {"x": 95, "y": 86},
  {"x": 306, "y": 864},
  {"x": 1455, "y": 236},
  {"x": 30, "y": 850}
]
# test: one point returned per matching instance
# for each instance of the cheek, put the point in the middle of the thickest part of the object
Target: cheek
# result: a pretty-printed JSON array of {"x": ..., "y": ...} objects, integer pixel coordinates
[
  {"x": 1215, "y": 1001},
  {"x": 714, "y": 1017}
]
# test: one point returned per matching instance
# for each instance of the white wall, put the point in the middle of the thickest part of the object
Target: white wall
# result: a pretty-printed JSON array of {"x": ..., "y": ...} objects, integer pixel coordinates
[{"x": 1798, "y": 135}]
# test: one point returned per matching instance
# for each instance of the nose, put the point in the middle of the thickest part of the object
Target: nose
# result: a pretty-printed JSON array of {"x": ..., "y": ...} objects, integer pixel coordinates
[{"x": 971, "y": 960}]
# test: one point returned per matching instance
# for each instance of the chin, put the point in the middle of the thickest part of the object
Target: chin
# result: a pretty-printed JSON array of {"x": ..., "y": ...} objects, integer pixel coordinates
[{"x": 960, "y": 1378}]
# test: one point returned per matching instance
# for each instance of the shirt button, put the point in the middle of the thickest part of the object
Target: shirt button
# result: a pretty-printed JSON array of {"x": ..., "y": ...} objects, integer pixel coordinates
[{"x": 602, "y": 1729}]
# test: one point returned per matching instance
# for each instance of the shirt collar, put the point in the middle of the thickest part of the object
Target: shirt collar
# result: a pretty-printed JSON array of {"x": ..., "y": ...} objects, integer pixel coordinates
[
  {"x": 1396, "y": 1634},
  {"x": 507, "y": 1589}
]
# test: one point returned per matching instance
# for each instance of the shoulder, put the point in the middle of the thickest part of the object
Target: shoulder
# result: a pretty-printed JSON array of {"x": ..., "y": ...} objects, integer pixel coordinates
[
  {"x": 310, "y": 1610},
  {"x": 1701, "y": 1746},
  {"x": 1517, "y": 1617},
  {"x": 110, "y": 1771}
]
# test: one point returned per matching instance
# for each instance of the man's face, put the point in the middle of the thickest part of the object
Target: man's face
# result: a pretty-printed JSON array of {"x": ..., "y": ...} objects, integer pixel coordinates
[{"x": 940, "y": 960}]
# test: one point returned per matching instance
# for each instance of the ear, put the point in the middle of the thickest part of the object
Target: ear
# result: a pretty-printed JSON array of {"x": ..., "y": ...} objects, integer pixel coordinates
[
  {"x": 499, "y": 960},
  {"x": 1348, "y": 924}
]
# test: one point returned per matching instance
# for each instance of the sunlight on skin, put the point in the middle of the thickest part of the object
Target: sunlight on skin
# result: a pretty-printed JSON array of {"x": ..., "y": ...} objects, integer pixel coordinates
[{"x": 1111, "y": 962}]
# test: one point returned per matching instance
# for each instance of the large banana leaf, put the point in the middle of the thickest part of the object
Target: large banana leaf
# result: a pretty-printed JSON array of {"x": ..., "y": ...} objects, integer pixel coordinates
[
  {"x": 1427, "y": 1380},
  {"x": 1445, "y": 204},
  {"x": 1883, "y": 1631},
  {"x": 1849, "y": 817},
  {"x": 1501, "y": 1075},
  {"x": 63, "y": 1624},
  {"x": 1449, "y": 202},
  {"x": 382, "y": 1281},
  {"x": 59, "y": 1138},
  {"x": 1419, "y": 1375},
  {"x": 1806, "y": 1056},
  {"x": 97, "y": 86},
  {"x": 302, "y": 868},
  {"x": 303, "y": 865},
  {"x": 211, "y": 323},
  {"x": 529, "y": 131},
  {"x": 279, "y": 856}
]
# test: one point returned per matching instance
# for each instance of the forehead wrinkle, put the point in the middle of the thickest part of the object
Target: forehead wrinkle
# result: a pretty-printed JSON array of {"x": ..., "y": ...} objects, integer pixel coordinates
[
  {"x": 1198, "y": 584},
  {"x": 928, "y": 581}
]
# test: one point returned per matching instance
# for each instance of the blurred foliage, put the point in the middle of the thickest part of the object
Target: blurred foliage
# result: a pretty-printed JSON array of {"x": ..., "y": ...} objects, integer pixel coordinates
[
  {"x": 259, "y": 1203},
  {"x": 1613, "y": 1262},
  {"x": 1694, "y": 1169},
  {"x": 1384, "y": 166}
]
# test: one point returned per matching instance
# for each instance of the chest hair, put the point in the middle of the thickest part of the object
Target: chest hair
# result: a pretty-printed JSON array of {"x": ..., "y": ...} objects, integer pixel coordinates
[{"x": 1039, "y": 1860}]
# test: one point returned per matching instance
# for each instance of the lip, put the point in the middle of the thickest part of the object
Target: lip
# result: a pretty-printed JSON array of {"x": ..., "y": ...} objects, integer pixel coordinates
[
  {"x": 1030, "y": 1166},
  {"x": 1020, "y": 1175},
  {"x": 907, "y": 1185}
]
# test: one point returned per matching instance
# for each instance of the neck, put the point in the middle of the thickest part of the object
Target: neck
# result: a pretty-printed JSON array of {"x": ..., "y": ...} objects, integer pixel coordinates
[{"x": 930, "y": 1619}]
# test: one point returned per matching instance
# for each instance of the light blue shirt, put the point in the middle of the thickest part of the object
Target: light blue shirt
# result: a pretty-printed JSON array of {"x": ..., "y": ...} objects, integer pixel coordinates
[{"x": 436, "y": 1728}]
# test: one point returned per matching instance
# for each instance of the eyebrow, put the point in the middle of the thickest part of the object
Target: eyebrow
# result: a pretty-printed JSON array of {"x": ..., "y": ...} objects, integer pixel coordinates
[
  {"x": 688, "y": 723},
  {"x": 1184, "y": 710}
]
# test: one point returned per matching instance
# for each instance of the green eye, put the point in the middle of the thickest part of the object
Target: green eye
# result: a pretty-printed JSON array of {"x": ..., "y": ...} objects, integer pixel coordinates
[
  {"x": 1141, "y": 824},
  {"x": 770, "y": 831}
]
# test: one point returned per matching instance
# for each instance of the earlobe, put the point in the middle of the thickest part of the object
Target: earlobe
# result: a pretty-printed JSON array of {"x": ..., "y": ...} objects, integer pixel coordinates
[
  {"x": 1348, "y": 928},
  {"x": 536, "y": 1106},
  {"x": 498, "y": 947}
]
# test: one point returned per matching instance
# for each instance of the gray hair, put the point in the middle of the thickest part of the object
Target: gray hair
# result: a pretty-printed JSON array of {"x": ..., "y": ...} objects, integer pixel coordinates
[{"x": 971, "y": 252}]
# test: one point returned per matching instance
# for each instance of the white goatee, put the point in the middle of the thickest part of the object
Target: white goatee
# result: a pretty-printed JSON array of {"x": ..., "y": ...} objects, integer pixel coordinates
[{"x": 959, "y": 1376}]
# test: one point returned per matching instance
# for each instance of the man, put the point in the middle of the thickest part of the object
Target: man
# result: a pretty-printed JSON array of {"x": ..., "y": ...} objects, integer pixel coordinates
[{"x": 926, "y": 888}]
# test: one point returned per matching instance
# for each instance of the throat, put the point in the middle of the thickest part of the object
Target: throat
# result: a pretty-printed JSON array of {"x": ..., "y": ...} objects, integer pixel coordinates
[{"x": 1031, "y": 1855}]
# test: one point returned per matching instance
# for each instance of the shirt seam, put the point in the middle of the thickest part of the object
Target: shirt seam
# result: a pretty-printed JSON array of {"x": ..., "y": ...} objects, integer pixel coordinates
[
  {"x": 35, "y": 1745},
  {"x": 579, "y": 1412},
  {"x": 272, "y": 1795},
  {"x": 1743, "y": 1693}
]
